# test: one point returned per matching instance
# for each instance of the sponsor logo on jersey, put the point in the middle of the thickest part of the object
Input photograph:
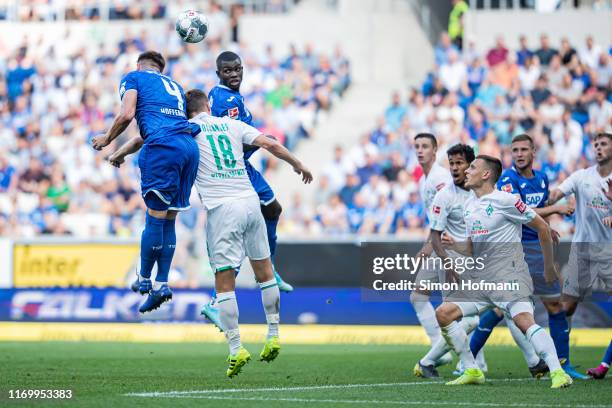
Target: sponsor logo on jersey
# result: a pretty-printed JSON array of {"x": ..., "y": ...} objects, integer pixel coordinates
[
  {"x": 505, "y": 179},
  {"x": 122, "y": 89},
  {"x": 533, "y": 199},
  {"x": 440, "y": 186},
  {"x": 506, "y": 187},
  {"x": 597, "y": 203},
  {"x": 436, "y": 209},
  {"x": 233, "y": 113},
  {"x": 478, "y": 229},
  {"x": 231, "y": 98},
  {"x": 520, "y": 206},
  {"x": 523, "y": 185},
  {"x": 543, "y": 184}
]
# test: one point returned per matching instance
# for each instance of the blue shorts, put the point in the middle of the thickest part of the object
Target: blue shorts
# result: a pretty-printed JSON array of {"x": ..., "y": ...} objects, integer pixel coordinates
[
  {"x": 168, "y": 168},
  {"x": 535, "y": 262},
  {"x": 261, "y": 186}
]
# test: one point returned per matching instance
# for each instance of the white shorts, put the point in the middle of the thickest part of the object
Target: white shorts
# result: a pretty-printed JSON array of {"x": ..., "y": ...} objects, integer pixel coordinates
[
  {"x": 234, "y": 230},
  {"x": 510, "y": 308},
  {"x": 583, "y": 275}
]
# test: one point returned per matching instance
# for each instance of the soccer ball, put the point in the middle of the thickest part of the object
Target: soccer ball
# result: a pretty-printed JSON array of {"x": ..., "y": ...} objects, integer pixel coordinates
[{"x": 191, "y": 26}]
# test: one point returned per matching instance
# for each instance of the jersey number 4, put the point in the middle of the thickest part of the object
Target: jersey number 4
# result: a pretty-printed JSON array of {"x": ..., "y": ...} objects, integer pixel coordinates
[
  {"x": 226, "y": 151},
  {"x": 174, "y": 90}
]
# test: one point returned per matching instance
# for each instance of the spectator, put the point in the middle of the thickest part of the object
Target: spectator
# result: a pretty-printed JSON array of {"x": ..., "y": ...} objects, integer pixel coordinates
[
  {"x": 555, "y": 72},
  {"x": 395, "y": 112},
  {"x": 590, "y": 53},
  {"x": 453, "y": 73},
  {"x": 566, "y": 51},
  {"x": 529, "y": 73},
  {"x": 442, "y": 49},
  {"x": 566, "y": 136},
  {"x": 498, "y": 54},
  {"x": 600, "y": 114},
  {"x": 333, "y": 216},
  {"x": 395, "y": 166},
  {"x": 348, "y": 191},
  {"x": 541, "y": 92},
  {"x": 523, "y": 52},
  {"x": 569, "y": 91},
  {"x": 545, "y": 52}
]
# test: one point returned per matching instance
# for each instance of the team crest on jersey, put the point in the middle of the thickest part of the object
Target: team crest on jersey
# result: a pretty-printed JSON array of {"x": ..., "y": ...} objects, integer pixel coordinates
[
  {"x": 507, "y": 188},
  {"x": 436, "y": 209},
  {"x": 440, "y": 186},
  {"x": 489, "y": 210},
  {"x": 233, "y": 113},
  {"x": 520, "y": 206}
]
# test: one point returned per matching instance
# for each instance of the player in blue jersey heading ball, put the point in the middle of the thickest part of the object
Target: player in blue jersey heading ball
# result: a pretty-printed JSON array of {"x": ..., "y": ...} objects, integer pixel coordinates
[
  {"x": 168, "y": 165},
  {"x": 225, "y": 100}
]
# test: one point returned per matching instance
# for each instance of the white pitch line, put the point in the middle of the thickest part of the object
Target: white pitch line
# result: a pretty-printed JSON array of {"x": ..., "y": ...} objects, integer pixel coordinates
[
  {"x": 303, "y": 388},
  {"x": 384, "y": 402}
]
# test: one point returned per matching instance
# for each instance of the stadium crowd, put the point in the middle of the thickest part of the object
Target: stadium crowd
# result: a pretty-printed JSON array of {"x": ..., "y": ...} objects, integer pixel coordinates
[
  {"x": 56, "y": 95},
  {"x": 560, "y": 96}
]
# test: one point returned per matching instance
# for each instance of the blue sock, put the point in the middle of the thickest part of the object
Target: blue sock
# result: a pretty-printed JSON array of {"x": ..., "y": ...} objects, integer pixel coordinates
[
  {"x": 271, "y": 230},
  {"x": 488, "y": 321},
  {"x": 167, "y": 253},
  {"x": 608, "y": 356},
  {"x": 559, "y": 331},
  {"x": 151, "y": 243}
]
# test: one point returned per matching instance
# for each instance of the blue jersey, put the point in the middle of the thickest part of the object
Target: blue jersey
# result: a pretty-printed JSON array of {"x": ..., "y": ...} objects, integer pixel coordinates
[
  {"x": 227, "y": 102},
  {"x": 160, "y": 107},
  {"x": 533, "y": 191}
]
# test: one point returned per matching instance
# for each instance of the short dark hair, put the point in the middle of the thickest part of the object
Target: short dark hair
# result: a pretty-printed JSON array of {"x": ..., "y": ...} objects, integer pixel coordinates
[
  {"x": 154, "y": 57},
  {"x": 466, "y": 151},
  {"x": 427, "y": 136},
  {"x": 226, "y": 56},
  {"x": 494, "y": 164},
  {"x": 196, "y": 100},
  {"x": 523, "y": 137},
  {"x": 603, "y": 134}
]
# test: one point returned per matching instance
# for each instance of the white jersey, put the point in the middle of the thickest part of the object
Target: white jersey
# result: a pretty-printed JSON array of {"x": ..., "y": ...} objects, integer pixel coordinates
[
  {"x": 494, "y": 224},
  {"x": 591, "y": 208},
  {"x": 447, "y": 211},
  {"x": 222, "y": 174},
  {"x": 433, "y": 182},
  {"x": 591, "y": 204}
]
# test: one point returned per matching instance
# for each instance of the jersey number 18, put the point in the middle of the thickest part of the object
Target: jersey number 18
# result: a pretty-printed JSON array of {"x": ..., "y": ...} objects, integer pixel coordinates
[{"x": 226, "y": 151}]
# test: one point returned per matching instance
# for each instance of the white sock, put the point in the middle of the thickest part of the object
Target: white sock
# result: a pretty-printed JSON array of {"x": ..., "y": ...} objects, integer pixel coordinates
[
  {"x": 457, "y": 338},
  {"x": 270, "y": 297},
  {"x": 157, "y": 285},
  {"x": 440, "y": 348},
  {"x": 426, "y": 315},
  {"x": 531, "y": 357},
  {"x": 544, "y": 346},
  {"x": 228, "y": 314}
]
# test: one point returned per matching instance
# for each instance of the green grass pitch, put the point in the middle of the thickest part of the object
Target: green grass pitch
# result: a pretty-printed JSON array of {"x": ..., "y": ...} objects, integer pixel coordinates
[{"x": 106, "y": 374}]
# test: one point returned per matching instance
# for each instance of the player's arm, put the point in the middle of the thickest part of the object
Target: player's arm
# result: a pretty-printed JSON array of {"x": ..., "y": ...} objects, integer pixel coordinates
[
  {"x": 280, "y": 151},
  {"x": 555, "y": 196},
  {"x": 121, "y": 122},
  {"x": 427, "y": 248},
  {"x": 546, "y": 242},
  {"x": 464, "y": 247},
  {"x": 561, "y": 209},
  {"x": 131, "y": 146}
]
